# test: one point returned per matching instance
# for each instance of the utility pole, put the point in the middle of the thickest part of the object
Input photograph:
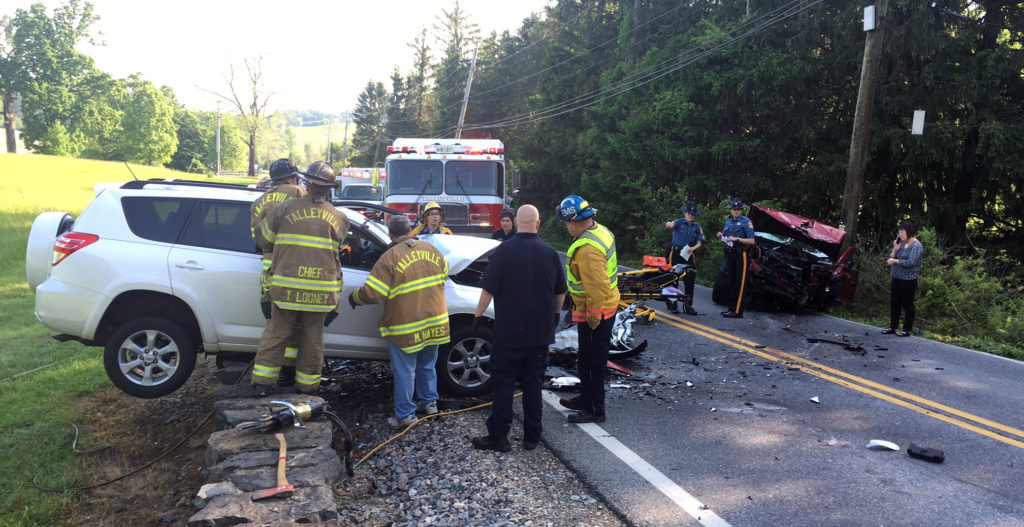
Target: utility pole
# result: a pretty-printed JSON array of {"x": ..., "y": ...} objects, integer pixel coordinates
[
  {"x": 465, "y": 98},
  {"x": 860, "y": 139},
  {"x": 328, "y": 143},
  {"x": 218, "y": 137},
  {"x": 380, "y": 129},
  {"x": 344, "y": 142}
]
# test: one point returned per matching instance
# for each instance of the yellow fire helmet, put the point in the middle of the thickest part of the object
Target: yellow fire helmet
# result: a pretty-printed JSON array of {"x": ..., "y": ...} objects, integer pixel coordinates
[{"x": 430, "y": 206}]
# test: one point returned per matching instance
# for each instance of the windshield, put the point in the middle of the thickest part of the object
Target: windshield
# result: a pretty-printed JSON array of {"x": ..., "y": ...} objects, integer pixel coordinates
[
  {"x": 475, "y": 178},
  {"x": 793, "y": 243},
  {"x": 415, "y": 177},
  {"x": 360, "y": 192}
]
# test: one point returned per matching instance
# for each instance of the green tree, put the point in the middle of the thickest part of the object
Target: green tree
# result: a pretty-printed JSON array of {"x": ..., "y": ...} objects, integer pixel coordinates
[
  {"x": 369, "y": 117},
  {"x": 57, "y": 141},
  {"x": 251, "y": 105},
  {"x": 194, "y": 140},
  {"x": 420, "y": 102},
  {"x": 149, "y": 131},
  {"x": 459, "y": 35},
  {"x": 38, "y": 61}
]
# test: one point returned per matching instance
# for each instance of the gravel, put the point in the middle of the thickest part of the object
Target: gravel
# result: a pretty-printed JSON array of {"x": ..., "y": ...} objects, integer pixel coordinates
[{"x": 433, "y": 476}]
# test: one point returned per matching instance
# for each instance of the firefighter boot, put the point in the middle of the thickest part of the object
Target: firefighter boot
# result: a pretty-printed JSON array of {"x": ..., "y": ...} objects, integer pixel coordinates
[
  {"x": 286, "y": 379},
  {"x": 688, "y": 306}
]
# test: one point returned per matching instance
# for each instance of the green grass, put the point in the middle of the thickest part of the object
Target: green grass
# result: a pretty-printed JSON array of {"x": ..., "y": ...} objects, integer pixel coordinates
[{"x": 36, "y": 406}]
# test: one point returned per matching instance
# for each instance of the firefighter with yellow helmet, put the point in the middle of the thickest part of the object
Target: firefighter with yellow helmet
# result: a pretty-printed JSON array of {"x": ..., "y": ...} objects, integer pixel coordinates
[
  {"x": 592, "y": 273},
  {"x": 433, "y": 216}
]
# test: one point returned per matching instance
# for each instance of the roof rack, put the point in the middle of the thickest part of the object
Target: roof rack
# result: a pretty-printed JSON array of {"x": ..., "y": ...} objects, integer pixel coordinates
[{"x": 141, "y": 183}]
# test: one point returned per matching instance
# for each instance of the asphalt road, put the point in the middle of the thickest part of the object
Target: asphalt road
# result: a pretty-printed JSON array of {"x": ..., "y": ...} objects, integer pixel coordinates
[{"x": 724, "y": 428}]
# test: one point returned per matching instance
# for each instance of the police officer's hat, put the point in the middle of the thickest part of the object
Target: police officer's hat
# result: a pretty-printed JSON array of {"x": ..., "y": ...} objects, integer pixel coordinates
[
  {"x": 321, "y": 174},
  {"x": 736, "y": 203},
  {"x": 690, "y": 208}
]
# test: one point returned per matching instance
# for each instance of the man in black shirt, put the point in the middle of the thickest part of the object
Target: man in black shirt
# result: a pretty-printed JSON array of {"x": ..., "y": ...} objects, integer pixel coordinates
[{"x": 526, "y": 279}]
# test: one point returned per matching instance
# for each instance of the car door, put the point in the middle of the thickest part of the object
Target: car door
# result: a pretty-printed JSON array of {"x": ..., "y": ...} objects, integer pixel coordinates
[
  {"x": 355, "y": 332},
  {"x": 215, "y": 267}
]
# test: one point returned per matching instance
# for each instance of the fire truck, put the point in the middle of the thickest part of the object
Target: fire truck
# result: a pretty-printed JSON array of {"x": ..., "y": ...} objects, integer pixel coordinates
[{"x": 466, "y": 177}]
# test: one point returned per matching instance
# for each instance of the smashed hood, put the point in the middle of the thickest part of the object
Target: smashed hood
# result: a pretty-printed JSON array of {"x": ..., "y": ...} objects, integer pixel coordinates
[
  {"x": 824, "y": 238},
  {"x": 460, "y": 251}
]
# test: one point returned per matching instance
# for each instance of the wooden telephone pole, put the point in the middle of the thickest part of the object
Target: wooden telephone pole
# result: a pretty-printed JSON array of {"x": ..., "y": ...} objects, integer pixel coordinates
[{"x": 862, "y": 124}]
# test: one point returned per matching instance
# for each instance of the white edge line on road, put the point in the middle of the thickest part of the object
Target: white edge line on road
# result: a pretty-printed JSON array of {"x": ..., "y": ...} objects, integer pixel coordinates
[{"x": 669, "y": 488}]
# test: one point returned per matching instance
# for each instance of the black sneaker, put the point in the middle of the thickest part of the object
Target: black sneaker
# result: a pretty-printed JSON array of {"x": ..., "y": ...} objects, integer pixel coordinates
[
  {"x": 488, "y": 442},
  {"x": 529, "y": 445},
  {"x": 690, "y": 311},
  {"x": 585, "y": 417},
  {"x": 574, "y": 403}
]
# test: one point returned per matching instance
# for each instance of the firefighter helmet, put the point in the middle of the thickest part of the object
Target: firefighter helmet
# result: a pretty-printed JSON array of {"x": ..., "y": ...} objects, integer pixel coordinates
[
  {"x": 283, "y": 168},
  {"x": 431, "y": 206},
  {"x": 575, "y": 208},
  {"x": 321, "y": 174}
]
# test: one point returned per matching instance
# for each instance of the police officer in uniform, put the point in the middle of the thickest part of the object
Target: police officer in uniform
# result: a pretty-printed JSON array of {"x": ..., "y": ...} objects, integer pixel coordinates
[
  {"x": 284, "y": 185},
  {"x": 592, "y": 273},
  {"x": 433, "y": 216},
  {"x": 685, "y": 233},
  {"x": 304, "y": 234},
  {"x": 738, "y": 235}
]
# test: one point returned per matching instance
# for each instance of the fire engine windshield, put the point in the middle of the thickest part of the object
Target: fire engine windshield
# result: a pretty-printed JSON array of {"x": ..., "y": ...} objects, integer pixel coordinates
[
  {"x": 475, "y": 178},
  {"x": 415, "y": 177}
]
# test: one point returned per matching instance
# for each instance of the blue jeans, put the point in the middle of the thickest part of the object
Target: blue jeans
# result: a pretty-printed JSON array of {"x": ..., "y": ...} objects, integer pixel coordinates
[{"x": 413, "y": 370}]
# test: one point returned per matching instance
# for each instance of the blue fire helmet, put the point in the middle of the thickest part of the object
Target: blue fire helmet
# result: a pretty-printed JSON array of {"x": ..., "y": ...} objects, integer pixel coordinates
[{"x": 575, "y": 208}]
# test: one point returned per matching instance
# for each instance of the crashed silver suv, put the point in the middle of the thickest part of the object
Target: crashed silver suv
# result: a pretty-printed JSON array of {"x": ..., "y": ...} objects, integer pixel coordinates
[{"x": 156, "y": 272}]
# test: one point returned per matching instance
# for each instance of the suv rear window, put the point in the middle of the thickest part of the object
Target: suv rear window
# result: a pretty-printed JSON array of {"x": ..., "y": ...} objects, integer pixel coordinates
[
  {"x": 220, "y": 225},
  {"x": 157, "y": 219}
]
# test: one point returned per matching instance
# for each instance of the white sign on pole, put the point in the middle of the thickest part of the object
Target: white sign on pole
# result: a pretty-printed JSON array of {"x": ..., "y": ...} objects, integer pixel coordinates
[
  {"x": 918, "y": 127},
  {"x": 869, "y": 18}
]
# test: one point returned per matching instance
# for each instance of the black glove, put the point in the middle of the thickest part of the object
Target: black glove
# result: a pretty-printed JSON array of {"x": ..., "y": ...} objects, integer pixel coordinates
[
  {"x": 479, "y": 323},
  {"x": 352, "y": 300}
]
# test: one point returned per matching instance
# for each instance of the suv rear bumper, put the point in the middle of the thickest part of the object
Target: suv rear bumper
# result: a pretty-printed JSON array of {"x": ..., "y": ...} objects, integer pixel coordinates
[{"x": 66, "y": 308}]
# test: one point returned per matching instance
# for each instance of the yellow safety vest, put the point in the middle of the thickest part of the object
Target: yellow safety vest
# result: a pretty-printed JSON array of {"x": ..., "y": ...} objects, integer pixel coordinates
[{"x": 603, "y": 239}]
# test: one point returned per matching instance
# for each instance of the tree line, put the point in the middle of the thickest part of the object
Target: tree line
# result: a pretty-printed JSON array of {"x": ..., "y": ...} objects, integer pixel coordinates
[
  {"x": 63, "y": 105},
  {"x": 642, "y": 105}
]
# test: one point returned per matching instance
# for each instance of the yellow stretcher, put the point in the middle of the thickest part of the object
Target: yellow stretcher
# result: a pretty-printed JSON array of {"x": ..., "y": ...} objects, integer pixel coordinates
[{"x": 656, "y": 280}]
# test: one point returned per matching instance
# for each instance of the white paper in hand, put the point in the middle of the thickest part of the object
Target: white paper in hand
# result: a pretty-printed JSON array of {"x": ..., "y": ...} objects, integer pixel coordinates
[
  {"x": 686, "y": 252},
  {"x": 725, "y": 241}
]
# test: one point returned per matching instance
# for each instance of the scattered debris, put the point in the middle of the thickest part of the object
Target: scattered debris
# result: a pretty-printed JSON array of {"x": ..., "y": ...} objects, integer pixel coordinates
[
  {"x": 689, "y": 384},
  {"x": 856, "y": 348},
  {"x": 881, "y": 444},
  {"x": 932, "y": 455},
  {"x": 815, "y": 400},
  {"x": 564, "y": 382}
]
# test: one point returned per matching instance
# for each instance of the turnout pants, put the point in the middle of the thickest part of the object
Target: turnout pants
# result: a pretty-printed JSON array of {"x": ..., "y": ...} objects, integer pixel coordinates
[
  {"x": 507, "y": 365},
  {"x": 737, "y": 262},
  {"x": 592, "y": 359},
  {"x": 901, "y": 296},
  {"x": 307, "y": 327}
]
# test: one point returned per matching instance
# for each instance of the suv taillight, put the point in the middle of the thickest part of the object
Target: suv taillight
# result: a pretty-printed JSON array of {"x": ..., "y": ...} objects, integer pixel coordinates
[{"x": 68, "y": 243}]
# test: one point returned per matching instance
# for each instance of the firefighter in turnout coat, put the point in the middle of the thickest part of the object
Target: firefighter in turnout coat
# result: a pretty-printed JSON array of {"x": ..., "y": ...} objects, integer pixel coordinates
[
  {"x": 284, "y": 177},
  {"x": 409, "y": 280},
  {"x": 304, "y": 235}
]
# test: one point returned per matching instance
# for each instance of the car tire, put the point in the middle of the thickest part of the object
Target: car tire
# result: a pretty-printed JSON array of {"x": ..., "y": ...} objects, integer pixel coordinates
[
  {"x": 463, "y": 365},
  {"x": 149, "y": 357},
  {"x": 720, "y": 289}
]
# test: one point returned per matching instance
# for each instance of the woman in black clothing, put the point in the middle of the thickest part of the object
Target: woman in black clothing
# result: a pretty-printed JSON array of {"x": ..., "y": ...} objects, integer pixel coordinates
[
  {"x": 507, "y": 230},
  {"x": 905, "y": 262}
]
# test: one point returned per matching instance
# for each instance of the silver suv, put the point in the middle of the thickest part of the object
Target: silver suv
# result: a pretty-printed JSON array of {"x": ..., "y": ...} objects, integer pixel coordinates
[{"x": 158, "y": 271}]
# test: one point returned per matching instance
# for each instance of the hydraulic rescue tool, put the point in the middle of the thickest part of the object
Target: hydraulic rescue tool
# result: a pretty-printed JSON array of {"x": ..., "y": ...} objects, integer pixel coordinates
[{"x": 297, "y": 415}]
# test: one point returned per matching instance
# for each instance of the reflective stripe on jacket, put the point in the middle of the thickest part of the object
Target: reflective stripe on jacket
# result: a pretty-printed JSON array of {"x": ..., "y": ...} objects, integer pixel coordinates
[
  {"x": 592, "y": 274},
  {"x": 273, "y": 197},
  {"x": 409, "y": 280},
  {"x": 419, "y": 229},
  {"x": 305, "y": 237}
]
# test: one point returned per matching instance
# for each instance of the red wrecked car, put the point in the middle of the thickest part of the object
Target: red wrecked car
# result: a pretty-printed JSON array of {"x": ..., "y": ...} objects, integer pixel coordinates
[{"x": 796, "y": 263}]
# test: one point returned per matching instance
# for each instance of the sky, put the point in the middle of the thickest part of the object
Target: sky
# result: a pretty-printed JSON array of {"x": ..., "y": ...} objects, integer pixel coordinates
[{"x": 316, "y": 54}]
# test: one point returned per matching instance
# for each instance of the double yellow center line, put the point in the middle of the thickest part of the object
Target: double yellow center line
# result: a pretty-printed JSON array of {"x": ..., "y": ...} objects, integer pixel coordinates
[{"x": 921, "y": 405}]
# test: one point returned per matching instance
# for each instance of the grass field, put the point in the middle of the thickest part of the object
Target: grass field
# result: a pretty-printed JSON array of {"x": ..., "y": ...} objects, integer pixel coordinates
[{"x": 39, "y": 377}]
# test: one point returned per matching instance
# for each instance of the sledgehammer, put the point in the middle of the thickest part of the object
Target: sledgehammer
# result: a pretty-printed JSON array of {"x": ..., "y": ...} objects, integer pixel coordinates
[{"x": 283, "y": 488}]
